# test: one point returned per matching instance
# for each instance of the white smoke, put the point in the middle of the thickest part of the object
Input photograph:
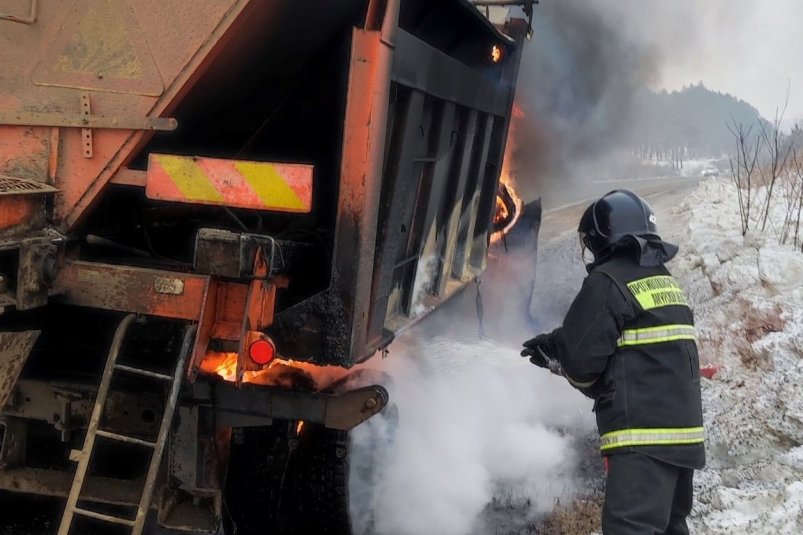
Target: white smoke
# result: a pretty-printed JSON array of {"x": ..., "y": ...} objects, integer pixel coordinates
[{"x": 475, "y": 422}]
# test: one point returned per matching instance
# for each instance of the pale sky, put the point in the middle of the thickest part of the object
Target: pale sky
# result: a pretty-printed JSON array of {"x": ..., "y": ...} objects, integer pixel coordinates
[{"x": 752, "y": 49}]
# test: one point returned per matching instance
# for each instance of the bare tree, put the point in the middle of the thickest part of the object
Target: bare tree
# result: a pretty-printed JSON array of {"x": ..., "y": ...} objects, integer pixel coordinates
[
  {"x": 798, "y": 179},
  {"x": 777, "y": 152},
  {"x": 744, "y": 169},
  {"x": 792, "y": 185}
]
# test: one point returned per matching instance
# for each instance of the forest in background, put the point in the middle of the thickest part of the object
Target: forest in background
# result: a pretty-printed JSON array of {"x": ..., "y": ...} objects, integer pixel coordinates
[{"x": 692, "y": 123}]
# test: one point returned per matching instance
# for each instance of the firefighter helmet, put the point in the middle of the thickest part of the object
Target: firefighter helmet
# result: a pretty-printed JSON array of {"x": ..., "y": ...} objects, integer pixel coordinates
[{"x": 617, "y": 215}]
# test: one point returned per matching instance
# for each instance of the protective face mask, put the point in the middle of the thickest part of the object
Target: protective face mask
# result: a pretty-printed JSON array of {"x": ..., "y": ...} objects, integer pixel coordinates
[{"x": 585, "y": 253}]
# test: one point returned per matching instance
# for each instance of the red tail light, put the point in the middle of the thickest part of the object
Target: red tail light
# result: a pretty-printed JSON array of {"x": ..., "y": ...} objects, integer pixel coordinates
[{"x": 262, "y": 351}]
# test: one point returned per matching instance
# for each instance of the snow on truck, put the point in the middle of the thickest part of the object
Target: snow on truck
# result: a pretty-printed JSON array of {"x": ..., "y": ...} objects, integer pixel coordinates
[{"x": 212, "y": 210}]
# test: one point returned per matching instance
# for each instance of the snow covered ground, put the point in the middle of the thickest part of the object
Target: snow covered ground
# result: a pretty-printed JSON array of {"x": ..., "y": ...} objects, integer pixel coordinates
[{"x": 747, "y": 294}]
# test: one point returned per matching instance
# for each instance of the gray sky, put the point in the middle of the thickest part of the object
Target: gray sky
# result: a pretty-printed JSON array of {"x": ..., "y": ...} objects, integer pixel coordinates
[{"x": 752, "y": 49}]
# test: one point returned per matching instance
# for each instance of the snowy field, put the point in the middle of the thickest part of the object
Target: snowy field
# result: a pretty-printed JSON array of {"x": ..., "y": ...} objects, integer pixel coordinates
[{"x": 747, "y": 294}]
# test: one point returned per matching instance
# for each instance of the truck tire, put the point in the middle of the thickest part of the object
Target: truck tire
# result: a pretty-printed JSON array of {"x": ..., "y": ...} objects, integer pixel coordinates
[
  {"x": 288, "y": 482},
  {"x": 280, "y": 484},
  {"x": 317, "y": 499},
  {"x": 256, "y": 472}
]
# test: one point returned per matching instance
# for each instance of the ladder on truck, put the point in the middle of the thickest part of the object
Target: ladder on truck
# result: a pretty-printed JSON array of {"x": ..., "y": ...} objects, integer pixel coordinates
[{"x": 84, "y": 455}]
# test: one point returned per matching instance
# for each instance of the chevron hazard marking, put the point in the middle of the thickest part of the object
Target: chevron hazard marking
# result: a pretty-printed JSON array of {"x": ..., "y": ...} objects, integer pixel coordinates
[{"x": 235, "y": 183}]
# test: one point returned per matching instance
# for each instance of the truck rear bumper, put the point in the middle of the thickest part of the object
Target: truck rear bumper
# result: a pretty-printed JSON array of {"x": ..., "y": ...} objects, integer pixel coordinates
[{"x": 253, "y": 404}]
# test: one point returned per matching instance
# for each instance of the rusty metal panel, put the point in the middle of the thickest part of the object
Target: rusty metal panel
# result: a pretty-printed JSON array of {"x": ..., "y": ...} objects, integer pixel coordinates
[
  {"x": 86, "y": 121},
  {"x": 14, "y": 350},
  {"x": 24, "y": 151},
  {"x": 101, "y": 47},
  {"x": 22, "y": 16},
  {"x": 154, "y": 292},
  {"x": 20, "y": 213},
  {"x": 236, "y": 183},
  {"x": 361, "y": 175},
  {"x": 137, "y": 58},
  {"x": 23, "y": 193}
]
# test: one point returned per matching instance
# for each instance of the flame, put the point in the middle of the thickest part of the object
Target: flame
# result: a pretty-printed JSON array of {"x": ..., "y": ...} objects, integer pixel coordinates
[
  {"x": 223, "y": 364},
  {"x": 279, "y": 372},
  {"x": 506, "y": 200},
  {"x": 502, "y": 216},
  {"x": 299, "y": 427},
  {"x": 518, "y": 113},
  {"x": 502, "y": 211},
  {"x": 496, "y": 53}
]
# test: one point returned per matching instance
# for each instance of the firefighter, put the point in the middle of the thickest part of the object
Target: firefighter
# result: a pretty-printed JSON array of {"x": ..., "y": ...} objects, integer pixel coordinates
[{"x": 628, "y": 342}]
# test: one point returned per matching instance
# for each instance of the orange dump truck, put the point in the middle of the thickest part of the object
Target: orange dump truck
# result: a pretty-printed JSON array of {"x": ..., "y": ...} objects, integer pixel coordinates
[{"x": 212, "y": 210}]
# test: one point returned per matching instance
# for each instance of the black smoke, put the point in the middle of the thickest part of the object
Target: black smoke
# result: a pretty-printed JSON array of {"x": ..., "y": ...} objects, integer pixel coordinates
[{"x": 579, "y": 76}]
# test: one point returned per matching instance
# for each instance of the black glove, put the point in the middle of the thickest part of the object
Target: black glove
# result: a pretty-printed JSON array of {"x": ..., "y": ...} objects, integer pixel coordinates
[{"x": 546, "y": 344}]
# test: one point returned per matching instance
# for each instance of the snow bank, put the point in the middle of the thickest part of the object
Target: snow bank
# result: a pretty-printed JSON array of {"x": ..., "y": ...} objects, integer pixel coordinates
[{"x": 747, "y": 295}]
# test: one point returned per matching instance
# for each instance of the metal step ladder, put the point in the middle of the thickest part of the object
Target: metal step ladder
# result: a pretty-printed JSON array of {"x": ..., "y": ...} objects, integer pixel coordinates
[{"x": 84, "y": 455}]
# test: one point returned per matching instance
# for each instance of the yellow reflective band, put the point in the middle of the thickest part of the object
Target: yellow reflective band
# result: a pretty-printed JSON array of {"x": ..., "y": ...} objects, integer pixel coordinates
[
  {"x": 655, "y": 335},
  {"x": 652, "y": 437},
  {"x": 189, "y": 178},
  {"x": 270, "y": 185},
  {"x": 656, "y": 292}
]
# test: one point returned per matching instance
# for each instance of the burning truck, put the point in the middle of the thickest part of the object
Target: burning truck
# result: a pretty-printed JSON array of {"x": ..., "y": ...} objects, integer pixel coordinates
[{"x": 211, "y": 211}]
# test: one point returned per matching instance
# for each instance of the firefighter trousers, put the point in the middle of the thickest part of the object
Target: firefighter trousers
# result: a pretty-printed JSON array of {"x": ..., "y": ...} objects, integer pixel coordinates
[{"x": 644, "y": 496}]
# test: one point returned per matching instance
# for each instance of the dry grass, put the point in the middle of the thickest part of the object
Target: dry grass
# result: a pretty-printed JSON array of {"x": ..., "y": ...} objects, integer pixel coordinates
[
  {"x": 757, "y": 323},
  {"x": 581, "y": 517}
]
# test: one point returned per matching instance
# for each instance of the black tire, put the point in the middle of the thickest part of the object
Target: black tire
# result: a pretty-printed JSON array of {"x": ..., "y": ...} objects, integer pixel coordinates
[
  {"x": 321, "y": 498},
  {"x": 287, "y": 483},
  {"x": 317, "y": 500},
  {"x": 258, "y": 461},
  {"x": 281, "y": 484}
]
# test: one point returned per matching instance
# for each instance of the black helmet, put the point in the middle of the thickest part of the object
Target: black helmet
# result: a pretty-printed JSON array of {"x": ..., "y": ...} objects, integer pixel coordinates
[{"x": 617, "y": 215}]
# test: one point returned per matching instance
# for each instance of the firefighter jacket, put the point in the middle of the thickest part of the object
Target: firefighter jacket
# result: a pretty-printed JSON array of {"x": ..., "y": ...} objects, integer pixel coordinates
[{"x": 628, "y": 341}]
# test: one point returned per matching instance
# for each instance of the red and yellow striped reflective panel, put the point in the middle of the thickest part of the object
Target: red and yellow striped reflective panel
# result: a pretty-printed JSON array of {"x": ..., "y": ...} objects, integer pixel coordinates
[{"x": 235, "y": 183}]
